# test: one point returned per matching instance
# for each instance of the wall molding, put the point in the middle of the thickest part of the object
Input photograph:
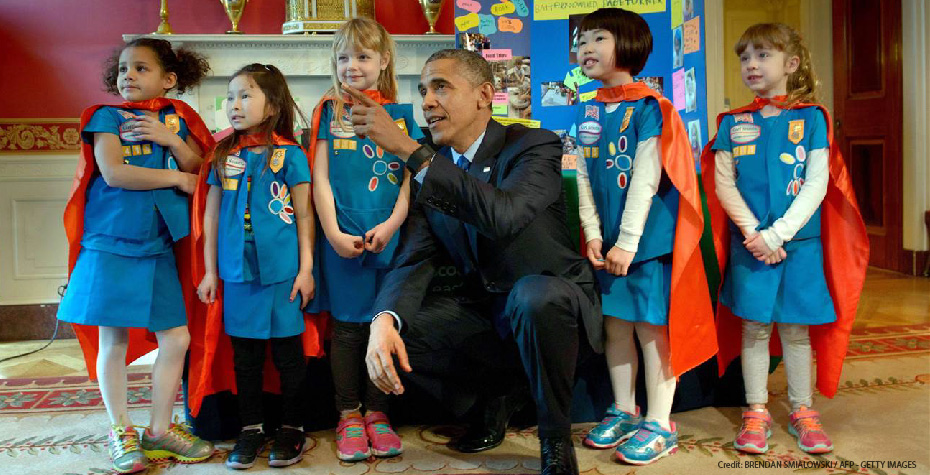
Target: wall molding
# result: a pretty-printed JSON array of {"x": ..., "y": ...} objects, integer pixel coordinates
[{"x": 29, "y": 135}]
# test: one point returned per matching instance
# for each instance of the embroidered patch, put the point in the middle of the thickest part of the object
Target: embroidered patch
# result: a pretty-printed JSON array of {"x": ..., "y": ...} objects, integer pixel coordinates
[
  {"x": 368, "y": 151},
  {"x": 230, "y": 184},
  {"x": 379, "y": 152},
  {"x": 173, "y": 122},
  {"x": 612, "y": 148},
  {"x": 593, "y": 112},
  {"x": 744, "y": 133},
  {"x": 742, "y": 118},
  {"x": 622, "y": 180},
  {"x": 787, "y": 158},
  {"x": 277, "y": 160},
  {"x": 380, "y": 167},
  {"x": 280, "y": 203},
  {"x": 126, "y": 114},
  {"x": 623, "y": 162},
  {"x": 626, "y": 118},
  {"x": 126, "y": 131},
  {"x": 137, "y": 150},
  {"x": 147, "y": 149},
  {"x": 234, "y": 166},
  {"x": 344, "y": 144},
  {"x": 796, "y": 131},
  {"x": 402, "y": 124},
  {"x": 392, "y": 178},
  {"x": 589, "y": 132},
  {"x": 801, "y": 153},
  {"x": 127, "y": 150},
  {"x": 741, "y": 150},
  {"x": 336, "y": 130},
  {"x": 170, "y": 162},
  {"x": 621, "y": 144},
  {"x": 373, "y": 184}
]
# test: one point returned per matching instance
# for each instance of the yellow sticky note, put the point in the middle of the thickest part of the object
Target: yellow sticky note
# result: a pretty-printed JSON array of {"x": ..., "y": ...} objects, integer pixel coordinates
[
  {"x": 678, "y": 14},
  {"x": 467, "y": 22},
  {"x": 587, "y": 96},
  {"x": 502, "y": 8}
]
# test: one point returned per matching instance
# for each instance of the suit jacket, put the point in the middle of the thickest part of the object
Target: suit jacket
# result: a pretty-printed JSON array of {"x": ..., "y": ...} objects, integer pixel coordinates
[{"x": 501, "y": 220}]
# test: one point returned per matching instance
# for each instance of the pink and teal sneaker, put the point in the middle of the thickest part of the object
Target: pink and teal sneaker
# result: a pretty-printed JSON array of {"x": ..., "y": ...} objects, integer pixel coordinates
[
  {"x": 351, "y": 440},
  {"x": 384, "y": 441},
  {"x": 753, "y": 435},
  {"x": 650, "y": 443},
  {"x": 616, "y": 427},
  {"x": 805, "y": 425}
]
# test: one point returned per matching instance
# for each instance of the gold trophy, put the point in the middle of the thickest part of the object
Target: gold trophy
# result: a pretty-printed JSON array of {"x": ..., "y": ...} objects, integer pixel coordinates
[
  {"x": 164, "y": 28},
  {"x": 431, "y": 10},
  {"x": 234, "y": 12}
]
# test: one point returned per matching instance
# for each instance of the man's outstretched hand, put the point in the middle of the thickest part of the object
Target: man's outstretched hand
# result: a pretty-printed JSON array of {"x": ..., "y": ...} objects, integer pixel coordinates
[
  {"x": 370, "y": 119},
  {"x": 383, "y": 343}
]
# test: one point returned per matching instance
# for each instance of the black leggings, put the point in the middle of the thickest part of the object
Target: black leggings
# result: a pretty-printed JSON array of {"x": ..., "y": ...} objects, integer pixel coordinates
[
  {"x": 249, "y": 360},
  {"x": 350, "y": 375}
]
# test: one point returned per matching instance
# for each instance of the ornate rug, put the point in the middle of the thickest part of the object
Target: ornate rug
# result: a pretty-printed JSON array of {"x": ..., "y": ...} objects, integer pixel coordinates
[{"x": 879, "y": 422}]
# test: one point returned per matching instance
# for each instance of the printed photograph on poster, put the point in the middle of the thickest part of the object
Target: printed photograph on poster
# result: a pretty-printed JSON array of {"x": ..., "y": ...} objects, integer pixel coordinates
[
  {"x": 654, "y": 82},
  {"x": 678, "y": 49},
  {"x": 568, "y": 142},
  {"x": 690, "y": 91},
  {"x": 688, "y": 9},
  {"x": 694, "y": 136},
  {"x": 574, "y": 22},
  {"x": 556, "y": 93},
  {"x": 474, "y": 42},
  {"x": 513, "y": 77}
]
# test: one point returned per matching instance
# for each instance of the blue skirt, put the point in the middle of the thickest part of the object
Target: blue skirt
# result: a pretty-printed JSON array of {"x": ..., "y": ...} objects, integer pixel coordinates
[
  {"x": 350, "y": 287},
  {"x": 111, "y": 290},
  {"x": 253, "y": 310},
  {"x": 642, "y": 295},
  {"x": 793, "y": 291}
]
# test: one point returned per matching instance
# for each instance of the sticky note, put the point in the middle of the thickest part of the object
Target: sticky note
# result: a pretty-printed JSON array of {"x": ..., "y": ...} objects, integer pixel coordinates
[
  {"x": 522, "y": 9},
  {"x": 499, "y": 109},
  {"x": 497, "y": 54},
  {"x": 575, "y": 78},
  {"x": 502, "y": 8},
  {"x": 468, "y": 5},
  {"x": 500, "y": 98},
  {"x": 678, "y": 13},
  {"x": 692, "y": 35},
  {"x": 678, "y": 89},
  {"x": 467, "y": 22},
  {"x": 587, "y": 96},
  {"x": 510, "y": 24},
  {"x": 486, "y": 24}
]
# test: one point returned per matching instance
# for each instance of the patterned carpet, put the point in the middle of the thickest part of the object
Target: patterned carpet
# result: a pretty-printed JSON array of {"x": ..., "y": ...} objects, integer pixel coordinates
[{"x": 55, "y": 426}]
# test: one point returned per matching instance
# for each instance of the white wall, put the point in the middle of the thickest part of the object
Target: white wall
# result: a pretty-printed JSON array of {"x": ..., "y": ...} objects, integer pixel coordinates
[{"x": 915, "y": 15}]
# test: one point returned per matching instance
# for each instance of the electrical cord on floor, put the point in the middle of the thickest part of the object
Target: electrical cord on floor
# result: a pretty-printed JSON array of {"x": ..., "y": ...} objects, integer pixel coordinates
[{"x": 61, "y": 293}]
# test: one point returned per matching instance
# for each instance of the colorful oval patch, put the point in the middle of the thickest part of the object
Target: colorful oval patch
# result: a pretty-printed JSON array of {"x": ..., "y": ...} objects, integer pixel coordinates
[
  {"x": 609, "y": 163},
  {"x": 392, "y": 178},
  {"x": 379, "y": 167},
  {"x": 369, "y": 152},
  {"x": 393, "y": 166},
  {"x": 801, "y": 153},
  {"x": 373, "y": 183},
  {"x": 380, "y": 152},
  {"x": 621, "y": 180},
  {"x": 611, "y": 148},
  {"x": 786, "y": 158},
  {"x": 744, "y": 133},
  {"x": 621, "y": 143},
  {"x": 589, "y": 132},
  {"x": 624, "y": 162}
]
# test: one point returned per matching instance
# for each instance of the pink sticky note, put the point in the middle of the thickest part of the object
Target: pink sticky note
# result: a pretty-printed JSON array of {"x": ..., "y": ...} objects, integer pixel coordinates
[
  {"x": 500, "y": 97},
  {"x": 692, "y": 35},
  {"x": 678, "y": 89},
  {"x": 497, "y": 54},
  {"x": 469, "y": 5}
]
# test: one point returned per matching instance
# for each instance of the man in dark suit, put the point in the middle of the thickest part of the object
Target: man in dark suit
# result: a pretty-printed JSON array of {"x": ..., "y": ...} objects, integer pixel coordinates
[{"x": 491, "y": 198}]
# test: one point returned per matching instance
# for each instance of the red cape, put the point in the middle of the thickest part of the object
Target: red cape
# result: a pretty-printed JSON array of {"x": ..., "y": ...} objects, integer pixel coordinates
[
  {"x": 846, "y": 256},
  {"x": 141, "y": 341},
  {"x": 211, "y": 356},
  {"x": 692, "y": 338}
]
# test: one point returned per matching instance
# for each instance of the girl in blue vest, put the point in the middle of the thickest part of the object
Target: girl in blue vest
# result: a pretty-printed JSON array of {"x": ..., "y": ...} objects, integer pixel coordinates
[
  {"x": 361, "y": 194},
  {"x": 771, "y": 176},
  {"x": 258, "y": 234},
  {"x": 627, "y": 204},
  {"x": 128, "y": 208}
]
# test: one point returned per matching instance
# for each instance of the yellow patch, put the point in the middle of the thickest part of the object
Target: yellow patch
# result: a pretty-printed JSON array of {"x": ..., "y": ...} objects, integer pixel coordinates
[
  {"x": 344, "y": 144},
  {"x": 127, "y": 150},
  {"x": 742, "y": 150},
  {"x": 796, "y": 131},
  {"x": 277, "y": 160},
  {"x": 402, "y": 124},
  {"x": 173, "y": 122},
  {"x": 787, "y": 158},
  {"x": 612, "y": 148},
  {"x": 626, "y": 118},
  {"x": 137, "y": 150},
  {"x": 146, "y": 149},
  {"x": 231, "y": 184}
]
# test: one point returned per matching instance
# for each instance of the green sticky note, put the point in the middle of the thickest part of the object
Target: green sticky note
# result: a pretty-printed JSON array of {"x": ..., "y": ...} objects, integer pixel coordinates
[{"x": 499, "y": 109}]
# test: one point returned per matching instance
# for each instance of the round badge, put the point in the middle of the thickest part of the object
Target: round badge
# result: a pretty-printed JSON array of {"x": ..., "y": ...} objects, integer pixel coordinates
[
  {"x": 589, "y": 132},
  {"x": 624, "y": 162},
  {"x": 744, "y": 133},
  {"x": 379, "y": 167},
  {"x": 234, "y": 166}
]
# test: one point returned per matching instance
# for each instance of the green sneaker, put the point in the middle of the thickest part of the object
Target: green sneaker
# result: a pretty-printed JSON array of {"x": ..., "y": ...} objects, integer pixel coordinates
[
  {"x": 124, "y": 450},
  {"x": 177, "y": 443}
]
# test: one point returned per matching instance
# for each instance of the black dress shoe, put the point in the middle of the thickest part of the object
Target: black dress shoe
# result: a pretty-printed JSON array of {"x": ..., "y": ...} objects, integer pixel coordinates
[
  {"x": 557, "y": 456},
  {"x": 489, "y": 428}
]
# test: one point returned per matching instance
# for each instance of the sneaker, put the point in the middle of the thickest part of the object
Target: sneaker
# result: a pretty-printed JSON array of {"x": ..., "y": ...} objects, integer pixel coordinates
[
  {"x": 384, "y": 441},
  {"x": 176, "y": 443},
  {"x": 124, "y": 450},
  {"x": 650, "y": 443},
  {"x": 805, "y": 425},
  {"x": 616, "y": 427},
  {"x": 351, "y": 441},
  {"x": 248, "y": 445},
  {"x": 287, "y": 448},
  {"x": 753, "y": 435}
]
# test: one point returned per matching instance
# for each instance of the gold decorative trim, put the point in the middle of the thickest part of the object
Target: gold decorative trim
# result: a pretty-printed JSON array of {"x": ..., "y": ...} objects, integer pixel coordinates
[{"x": 39, "y": 135}]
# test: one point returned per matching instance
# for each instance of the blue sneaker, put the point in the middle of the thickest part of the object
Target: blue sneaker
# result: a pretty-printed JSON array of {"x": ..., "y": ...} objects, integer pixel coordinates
[
  {"x": 650, "y": 443},
  {"x": 616, "y": 427}
]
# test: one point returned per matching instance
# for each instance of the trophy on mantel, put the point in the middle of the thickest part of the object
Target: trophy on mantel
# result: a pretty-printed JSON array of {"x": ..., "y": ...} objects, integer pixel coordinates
[
  {"x": 431, "y": 10},
  {"x": 234, "y": 12},
  {"x": 164, "y": 28},
  {"x": 311, "y": 16}
]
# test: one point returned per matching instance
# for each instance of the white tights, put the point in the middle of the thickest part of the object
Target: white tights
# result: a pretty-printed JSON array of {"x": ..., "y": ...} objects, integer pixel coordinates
[
  {"x": 796, "y": 348},
  {"x": 166, "y": 374},
  {"x": 623, "y": 364}
]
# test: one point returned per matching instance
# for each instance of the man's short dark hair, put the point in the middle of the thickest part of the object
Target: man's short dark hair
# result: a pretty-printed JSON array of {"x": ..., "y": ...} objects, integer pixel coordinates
[
  {"x": 631, "y": 32},
  {"x": 473, "y": 67}
]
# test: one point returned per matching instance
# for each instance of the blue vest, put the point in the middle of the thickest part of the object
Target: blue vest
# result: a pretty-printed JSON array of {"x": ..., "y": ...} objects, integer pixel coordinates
[
  {"x": 771, "y": 160},
  {"x": 248, "y": 180},
  {"x": 130, "y": 214},
  {"x": 608, "y": 142},
  {"x": 365, "y": 179}
]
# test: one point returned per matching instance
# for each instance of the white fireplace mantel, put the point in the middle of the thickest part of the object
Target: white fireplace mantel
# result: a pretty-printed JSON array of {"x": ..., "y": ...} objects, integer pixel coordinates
[{"x": 304, "y": 59}]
